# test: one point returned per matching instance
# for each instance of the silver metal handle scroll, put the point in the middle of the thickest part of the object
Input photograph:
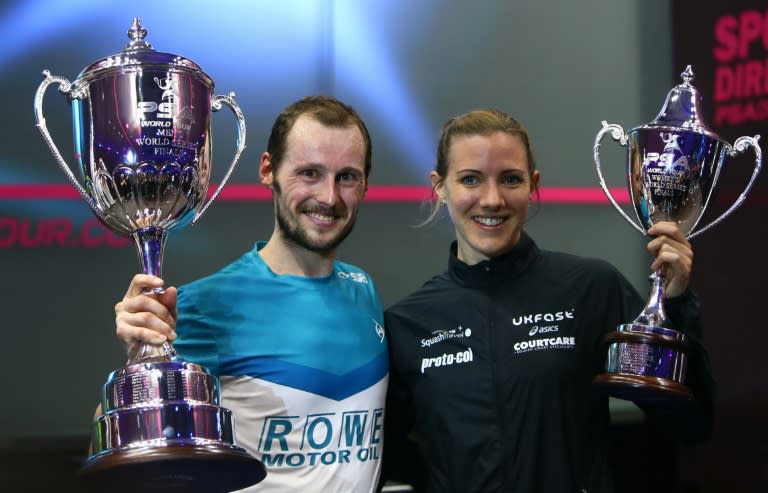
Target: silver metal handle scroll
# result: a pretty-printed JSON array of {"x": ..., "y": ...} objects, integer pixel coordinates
[
  {"x": 65, "y": 87},
  {"x": 617, "y": 133},
  {"x": 740, "y": 146},
  {"x": 216, "y": 104}
]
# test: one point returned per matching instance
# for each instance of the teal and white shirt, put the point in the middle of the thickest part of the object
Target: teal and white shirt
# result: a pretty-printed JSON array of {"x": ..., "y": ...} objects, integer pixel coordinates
[{"x": 303, "y": 366}]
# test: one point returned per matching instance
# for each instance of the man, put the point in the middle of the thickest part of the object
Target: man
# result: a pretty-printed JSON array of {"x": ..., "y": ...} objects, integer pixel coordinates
[{"x": 295, "y": 335}]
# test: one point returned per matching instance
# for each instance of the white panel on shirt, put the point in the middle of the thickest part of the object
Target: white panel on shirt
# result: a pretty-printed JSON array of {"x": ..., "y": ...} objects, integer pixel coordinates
[{"x": 308, "y": 443}]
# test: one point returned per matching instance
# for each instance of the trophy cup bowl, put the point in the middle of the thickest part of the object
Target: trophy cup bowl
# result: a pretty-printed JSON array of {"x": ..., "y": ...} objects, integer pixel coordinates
[
  {"x": 142, "y": 128},
  {"x": 673, "y": 167}
]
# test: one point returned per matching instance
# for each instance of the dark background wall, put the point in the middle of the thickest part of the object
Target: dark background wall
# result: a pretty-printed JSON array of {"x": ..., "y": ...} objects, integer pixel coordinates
[
  {"x": 561, "y": 67},
  {"x": 729, "y": 45}
]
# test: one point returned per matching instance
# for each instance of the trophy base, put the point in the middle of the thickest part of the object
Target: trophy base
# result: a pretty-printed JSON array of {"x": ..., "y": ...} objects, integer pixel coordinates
[
  {"x": 643, "y": 389},
  {"x": 163, "y": 431},
  {"x": 172, "y": 468},
  {"x": 646, "y": 364}
]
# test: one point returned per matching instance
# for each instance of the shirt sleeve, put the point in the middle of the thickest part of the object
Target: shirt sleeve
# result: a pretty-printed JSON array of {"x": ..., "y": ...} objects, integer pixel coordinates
[{"x": 196, "y": 342}]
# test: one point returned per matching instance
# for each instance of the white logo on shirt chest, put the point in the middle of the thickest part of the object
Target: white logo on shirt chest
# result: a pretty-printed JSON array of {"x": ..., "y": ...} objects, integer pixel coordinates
[
  {"x": 535, "y": 318},
  {"x": 354, "y": 276},
  {"x": 443, "y": 335},
  {"x": 447, "y": 359}
]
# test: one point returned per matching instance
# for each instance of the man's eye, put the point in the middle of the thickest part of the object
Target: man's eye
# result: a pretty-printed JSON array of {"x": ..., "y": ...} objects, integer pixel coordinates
[
  {"x": 309, "y": 173},
  {"x": 348, "y": 178}
]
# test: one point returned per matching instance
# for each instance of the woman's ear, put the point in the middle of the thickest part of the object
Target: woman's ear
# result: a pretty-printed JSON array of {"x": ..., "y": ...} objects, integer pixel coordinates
[{"x": 437, "y": 186}]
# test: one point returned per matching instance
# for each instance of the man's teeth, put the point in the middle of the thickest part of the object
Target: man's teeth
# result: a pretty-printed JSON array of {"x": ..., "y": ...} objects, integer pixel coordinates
[
  {"x": 320, "y": 217},
  {"x": 489, "y": 221}
]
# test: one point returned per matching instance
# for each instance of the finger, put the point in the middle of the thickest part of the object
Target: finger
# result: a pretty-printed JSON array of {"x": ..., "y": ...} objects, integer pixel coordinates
[
  {"x": 148, "y": 320},
  {"x": 162, "y": 306},
  {"x": 676, "y": 269},
  {"x": 675, "y": 241},
  {"x": 169, "y": 299},
  {"x": 665, "y": 249},
  {"x": 143, "y": 326},
  {"x": 142, "y": 283},
  {"x": 669, "y": 258},
  {"x": 132, "y": 334},
  {"x": 668, "y": 228}
]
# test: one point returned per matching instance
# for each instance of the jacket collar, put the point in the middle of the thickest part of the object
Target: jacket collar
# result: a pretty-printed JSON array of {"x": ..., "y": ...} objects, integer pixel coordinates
[{"x": 501, "y": 268}]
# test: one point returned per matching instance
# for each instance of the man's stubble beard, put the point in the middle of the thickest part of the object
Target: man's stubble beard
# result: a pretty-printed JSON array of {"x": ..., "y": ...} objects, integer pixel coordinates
[{"x": 297, "y": 235}]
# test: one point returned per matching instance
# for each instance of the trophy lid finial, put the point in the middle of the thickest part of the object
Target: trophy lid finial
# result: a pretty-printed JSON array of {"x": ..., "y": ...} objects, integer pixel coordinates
[
  {"x": 687, "y": 76},
  {"x": 682, "y": 109},
  {"x": 138, "y": 54},
  {"x": 136, "y": 33}
]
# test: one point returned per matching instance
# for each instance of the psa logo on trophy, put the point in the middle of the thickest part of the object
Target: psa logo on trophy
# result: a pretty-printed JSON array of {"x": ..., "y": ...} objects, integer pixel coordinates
[
  {"x": 142, "y": 128},
  {"x": 673, "y": 166}
]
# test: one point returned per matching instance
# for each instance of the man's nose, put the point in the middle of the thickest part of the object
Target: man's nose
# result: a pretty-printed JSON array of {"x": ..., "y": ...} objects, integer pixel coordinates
[{"x": 328, "y": 193}]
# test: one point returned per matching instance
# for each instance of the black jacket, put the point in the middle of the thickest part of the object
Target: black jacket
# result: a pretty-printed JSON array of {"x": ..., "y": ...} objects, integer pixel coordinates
[{"x": 491, "y": 368}]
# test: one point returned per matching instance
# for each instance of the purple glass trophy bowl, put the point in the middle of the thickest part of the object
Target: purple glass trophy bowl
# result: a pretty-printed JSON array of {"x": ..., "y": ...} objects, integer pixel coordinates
[
  {"x": 673, "y": 166},
  {"x": 142, "y": 128}
]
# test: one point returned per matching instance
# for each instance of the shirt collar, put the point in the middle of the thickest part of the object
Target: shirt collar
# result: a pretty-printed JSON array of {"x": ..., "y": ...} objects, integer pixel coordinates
[{"x": 501, "y": 268}]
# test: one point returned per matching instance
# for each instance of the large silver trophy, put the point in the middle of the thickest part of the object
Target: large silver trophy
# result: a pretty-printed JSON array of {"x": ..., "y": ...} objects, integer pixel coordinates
[
  {"x": 673, "y": 166},
  {"x": 142, "y": 127}
]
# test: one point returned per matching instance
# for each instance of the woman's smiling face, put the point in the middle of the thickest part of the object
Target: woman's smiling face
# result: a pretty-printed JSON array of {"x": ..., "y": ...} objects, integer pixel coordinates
[{"x": 487, "y": 189}]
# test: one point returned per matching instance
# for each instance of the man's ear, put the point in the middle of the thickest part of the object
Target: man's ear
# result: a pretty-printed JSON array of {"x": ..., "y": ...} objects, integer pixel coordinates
[{"x": 266, "y": 173}]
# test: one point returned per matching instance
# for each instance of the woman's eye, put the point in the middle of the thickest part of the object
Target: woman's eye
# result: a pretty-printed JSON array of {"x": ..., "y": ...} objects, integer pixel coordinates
[
  {"x": 468, "y": 180},
  {"x": 513, "y": 180}
]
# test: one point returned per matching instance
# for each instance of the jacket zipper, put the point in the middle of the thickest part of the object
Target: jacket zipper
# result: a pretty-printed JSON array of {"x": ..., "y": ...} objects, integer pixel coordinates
[{"x": 493, "y": 352}]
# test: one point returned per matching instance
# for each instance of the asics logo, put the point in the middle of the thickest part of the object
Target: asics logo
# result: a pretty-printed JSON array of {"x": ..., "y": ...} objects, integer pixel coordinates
[{"x": 543, "y": 329}]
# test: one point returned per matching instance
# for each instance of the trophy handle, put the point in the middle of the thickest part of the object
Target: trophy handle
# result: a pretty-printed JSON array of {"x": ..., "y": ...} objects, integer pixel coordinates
[
  {"x": 740, "y": 146},
  {"x": 65, "y": 87},
  {"x": 216, "y": 103},
  {"x": 617, "y": 133}
]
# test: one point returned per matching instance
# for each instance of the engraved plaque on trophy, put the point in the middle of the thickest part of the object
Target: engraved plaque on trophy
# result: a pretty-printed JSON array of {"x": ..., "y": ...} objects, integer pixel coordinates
[
  {"x": 143, "y": 145},
  {"x": 673, "y": 167}
]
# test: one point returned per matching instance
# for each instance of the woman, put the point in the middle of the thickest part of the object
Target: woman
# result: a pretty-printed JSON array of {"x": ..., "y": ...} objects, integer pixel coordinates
[{"x": 491, "y": 362}]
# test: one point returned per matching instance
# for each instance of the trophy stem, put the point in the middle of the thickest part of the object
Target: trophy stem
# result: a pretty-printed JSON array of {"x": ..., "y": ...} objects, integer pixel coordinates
[
  {"x": 151, "y": 243},
  {"x": 144, "y": 352},
  {"x": 654, "y": 314}
]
